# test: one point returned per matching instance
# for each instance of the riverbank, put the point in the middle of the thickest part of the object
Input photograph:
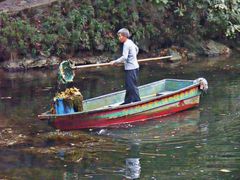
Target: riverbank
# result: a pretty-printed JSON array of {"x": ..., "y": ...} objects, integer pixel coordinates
[
  {"x": 40, "y": 34},
  {"x": 13, "y": 6},
  {"x": 209, "y": 49}
]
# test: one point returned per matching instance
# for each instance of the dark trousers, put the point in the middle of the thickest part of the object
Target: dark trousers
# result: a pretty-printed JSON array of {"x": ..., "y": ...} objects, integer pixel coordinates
[{"x": 131, "y": 81}]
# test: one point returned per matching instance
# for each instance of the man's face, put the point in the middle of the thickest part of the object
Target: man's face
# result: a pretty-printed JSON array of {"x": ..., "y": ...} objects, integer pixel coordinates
[{"x": 122, "y": 38}]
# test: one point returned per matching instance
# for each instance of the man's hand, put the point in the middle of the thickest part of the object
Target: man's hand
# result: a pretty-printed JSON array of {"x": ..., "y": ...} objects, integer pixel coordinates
[{"x": 113, "y": 63}]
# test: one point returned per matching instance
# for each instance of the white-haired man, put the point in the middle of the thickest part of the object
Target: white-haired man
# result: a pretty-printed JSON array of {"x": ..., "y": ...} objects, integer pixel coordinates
[{"x": 131, "y": 66}]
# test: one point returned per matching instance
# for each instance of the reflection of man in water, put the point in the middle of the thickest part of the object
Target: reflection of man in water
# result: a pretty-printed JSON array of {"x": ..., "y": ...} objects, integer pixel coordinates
[{"x": 133, "y": 166}]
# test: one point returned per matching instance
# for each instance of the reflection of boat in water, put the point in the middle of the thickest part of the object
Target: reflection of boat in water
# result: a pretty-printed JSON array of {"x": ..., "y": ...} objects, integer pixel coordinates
[
  {"x": 159, "y": 99},
  {"x": 179, "y": 124}
]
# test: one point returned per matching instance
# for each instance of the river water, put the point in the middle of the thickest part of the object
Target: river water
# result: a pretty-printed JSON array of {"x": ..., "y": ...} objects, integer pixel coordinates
[{"x": 201, "y": 143}]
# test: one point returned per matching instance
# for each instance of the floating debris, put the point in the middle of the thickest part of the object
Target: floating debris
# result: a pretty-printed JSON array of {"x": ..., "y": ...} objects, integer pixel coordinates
[
  {"x": 178, "y": 147},
  {"x": 7, "y": 97},
  {"x": 225, "y": 170},
  {"x": 153, "y": 154}
]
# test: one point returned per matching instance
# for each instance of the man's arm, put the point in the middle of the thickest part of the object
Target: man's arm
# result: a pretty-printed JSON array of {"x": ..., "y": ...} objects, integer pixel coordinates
[
  {"x": 124, "y": 55},
  {"x": 137, "y": 49}
]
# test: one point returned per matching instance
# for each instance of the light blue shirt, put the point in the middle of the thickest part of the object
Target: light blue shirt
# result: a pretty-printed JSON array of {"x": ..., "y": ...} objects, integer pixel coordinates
[{"x": 129, "y": 55}]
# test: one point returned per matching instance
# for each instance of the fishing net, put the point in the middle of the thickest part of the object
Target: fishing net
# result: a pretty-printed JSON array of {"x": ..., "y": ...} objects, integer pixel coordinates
[
  {"x": 65, "y": 72},
  {"x": 69, "y": 99}
]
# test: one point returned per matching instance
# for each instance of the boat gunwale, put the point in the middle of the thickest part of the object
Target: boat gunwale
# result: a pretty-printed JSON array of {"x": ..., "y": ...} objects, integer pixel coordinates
[
  {"x": 166, "y": 104},
  {"x": 46, "y": 115},
  {"x": 118, "y": 92}
]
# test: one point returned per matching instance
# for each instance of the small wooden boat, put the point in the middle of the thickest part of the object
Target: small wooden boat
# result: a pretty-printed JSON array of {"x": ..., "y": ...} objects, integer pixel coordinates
[{"x": 158, "y": 99}]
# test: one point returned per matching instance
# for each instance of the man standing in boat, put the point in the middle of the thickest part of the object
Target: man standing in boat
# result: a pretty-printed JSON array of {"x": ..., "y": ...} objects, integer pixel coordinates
[{"x": 131, "y": 66}]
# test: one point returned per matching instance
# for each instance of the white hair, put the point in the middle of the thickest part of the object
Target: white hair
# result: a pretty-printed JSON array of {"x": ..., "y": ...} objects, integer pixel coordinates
[{"x": 125, "y": 32}]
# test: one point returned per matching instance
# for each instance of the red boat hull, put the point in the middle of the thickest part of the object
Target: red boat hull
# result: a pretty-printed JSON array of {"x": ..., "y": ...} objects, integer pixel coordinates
[{"x": 77, "y": 122}]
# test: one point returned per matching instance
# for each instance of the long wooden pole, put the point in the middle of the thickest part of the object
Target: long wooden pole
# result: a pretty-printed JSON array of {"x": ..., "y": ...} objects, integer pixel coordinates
[{"x": 109, "y": 64}]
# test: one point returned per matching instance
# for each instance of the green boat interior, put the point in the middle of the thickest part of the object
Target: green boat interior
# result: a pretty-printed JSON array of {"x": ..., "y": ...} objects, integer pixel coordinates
[{"x": 148, "y": 91}]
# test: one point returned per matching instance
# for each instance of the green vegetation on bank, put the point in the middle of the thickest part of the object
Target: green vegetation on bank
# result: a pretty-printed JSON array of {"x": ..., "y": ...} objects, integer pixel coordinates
[{"x": 68, "y": 28}]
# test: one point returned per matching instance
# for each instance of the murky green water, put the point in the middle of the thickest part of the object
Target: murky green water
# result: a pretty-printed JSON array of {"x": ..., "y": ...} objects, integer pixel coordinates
[{"x": 201, "y": 143}]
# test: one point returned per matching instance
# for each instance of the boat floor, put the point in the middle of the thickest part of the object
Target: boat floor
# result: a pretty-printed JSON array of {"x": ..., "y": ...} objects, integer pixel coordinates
[{"x": 142, "y": 98}]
